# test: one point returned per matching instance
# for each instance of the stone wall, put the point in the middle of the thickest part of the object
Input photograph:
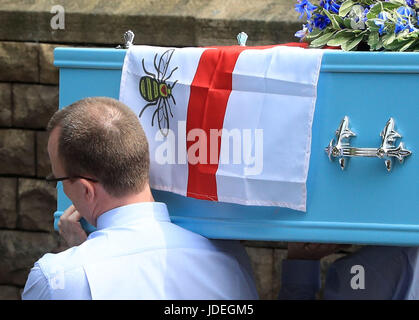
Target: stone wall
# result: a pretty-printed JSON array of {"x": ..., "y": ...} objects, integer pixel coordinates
[{"x": 29, "y": 96}]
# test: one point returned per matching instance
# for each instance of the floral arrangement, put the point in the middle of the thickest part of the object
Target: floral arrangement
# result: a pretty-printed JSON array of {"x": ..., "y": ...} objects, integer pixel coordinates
[{"x": 389, "y": 25}]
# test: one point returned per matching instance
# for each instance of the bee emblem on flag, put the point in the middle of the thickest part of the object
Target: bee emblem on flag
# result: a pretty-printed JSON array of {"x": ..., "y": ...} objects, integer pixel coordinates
[{"x": 155, "y": 89}]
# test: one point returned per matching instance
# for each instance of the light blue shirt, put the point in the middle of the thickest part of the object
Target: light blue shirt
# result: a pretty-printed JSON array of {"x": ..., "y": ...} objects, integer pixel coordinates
[
  {"x": 137, "y": 253},
  {"x": 390, "y": 273}
]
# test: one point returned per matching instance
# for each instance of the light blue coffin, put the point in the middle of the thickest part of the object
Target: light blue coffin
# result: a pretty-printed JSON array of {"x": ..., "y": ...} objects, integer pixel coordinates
[{"x": 364, "y": 204}]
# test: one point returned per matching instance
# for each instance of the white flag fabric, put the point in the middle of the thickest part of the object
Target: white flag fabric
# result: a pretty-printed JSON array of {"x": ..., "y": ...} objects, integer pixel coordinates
[{"x": 230, "y": 124}]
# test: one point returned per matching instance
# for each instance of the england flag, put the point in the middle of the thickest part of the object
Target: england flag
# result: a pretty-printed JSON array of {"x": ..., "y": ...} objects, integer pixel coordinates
[{"x": 230, "y": 124}]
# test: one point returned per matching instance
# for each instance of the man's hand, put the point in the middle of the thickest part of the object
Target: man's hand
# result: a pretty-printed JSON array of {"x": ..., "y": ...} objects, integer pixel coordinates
[
  {"x": 70, "y": 227},
  {"x": 312, "y": 251}
]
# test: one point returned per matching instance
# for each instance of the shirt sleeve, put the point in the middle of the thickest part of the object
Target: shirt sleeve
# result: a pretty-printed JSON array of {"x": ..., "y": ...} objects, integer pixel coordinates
[
  {"x": 37, "y": 286},
  {"x": 300, "y": 279}
]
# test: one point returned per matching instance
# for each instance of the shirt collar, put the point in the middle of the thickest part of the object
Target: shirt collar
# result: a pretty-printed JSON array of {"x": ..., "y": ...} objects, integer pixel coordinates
[{"x": 133, "y": 213}]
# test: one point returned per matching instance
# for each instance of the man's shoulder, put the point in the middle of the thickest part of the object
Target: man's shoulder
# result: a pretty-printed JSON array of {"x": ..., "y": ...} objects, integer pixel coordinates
[
  {"x": 65, "y": 260},
  {"x": 176, "y": 236},
  {"x": 58, "y": 276},
  {"x": 69, "y": 259}
]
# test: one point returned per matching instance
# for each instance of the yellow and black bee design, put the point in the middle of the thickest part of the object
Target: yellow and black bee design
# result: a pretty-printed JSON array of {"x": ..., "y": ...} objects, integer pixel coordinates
[{"x": 156, "y": 91}]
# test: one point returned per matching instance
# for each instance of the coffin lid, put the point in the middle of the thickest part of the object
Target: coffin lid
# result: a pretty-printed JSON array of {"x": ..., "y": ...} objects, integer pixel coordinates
[{"x": 333, "y": 60}]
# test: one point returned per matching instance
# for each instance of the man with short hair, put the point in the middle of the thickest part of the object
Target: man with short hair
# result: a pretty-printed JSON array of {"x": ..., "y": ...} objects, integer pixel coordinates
[{"x": 99, "y": 151}]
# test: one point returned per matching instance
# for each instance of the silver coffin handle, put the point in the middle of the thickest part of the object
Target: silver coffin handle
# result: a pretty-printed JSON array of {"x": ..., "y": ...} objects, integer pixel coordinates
[{"x": 341, "y": 148}]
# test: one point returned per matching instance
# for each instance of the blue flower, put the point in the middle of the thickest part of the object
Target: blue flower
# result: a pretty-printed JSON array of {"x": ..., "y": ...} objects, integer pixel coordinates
[
  {"x": 307, "y": 28},
  {"x": 309, "y": 25},
  {"x": 403, "y": 21},
  {"x": 410, "y": 3},
  {"x": 403, "y": 26},
  {"x": 366, "y": 11},
  {"x": 330, "y": 5},
  {"x": 301, "y": 33},
  {"x": 321, "y": 21},
  {"x": 305, "y": 6},
  {"x": 399, "y": 27},
  {"x": 383, "y": 15},
  {"x": 406, "y": 11},
  {"x": 382, "y": 18}
]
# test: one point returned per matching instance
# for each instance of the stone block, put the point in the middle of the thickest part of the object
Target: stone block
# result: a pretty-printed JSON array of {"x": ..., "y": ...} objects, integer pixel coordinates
[
  {"x": 9, "y": 293},
  {"x": 17, "y": 152},
  {"x": 265, "y": 244},
  {"x": 262, "y": 260},
  {"x": 5, "y": 105},
  {"x": 19, "y": 250},
  {"x": 352, "y": 249},
  {"x": 48, "y": 73},
  {"x": 37, "y": 204},
  {"x": 8, "y": 214},
  {"x": 279, "y": 255},
  {"x": 34, "y": 105},
  {"x": 43, "y": 163},
  {"x": 18, "y": 61}
]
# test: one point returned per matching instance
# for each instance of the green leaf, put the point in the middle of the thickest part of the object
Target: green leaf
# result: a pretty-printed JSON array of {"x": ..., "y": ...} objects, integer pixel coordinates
[
  {"x": 336, "y": 43},
  {"x": 339, "y": 20},
  {"x": 404, "y": 35},
  {"x": 407, "y": 45},
  {"x": 367, "y": 2},
  {"x": 371, "y": 25},
  {"x": 380, "y": 6},
  {"x": 395, "y": 45},
  {"x": 314, "y": 34},
  {"x": 345, "y": 8},
  {"x": 379, "y": 44},
  {"x": 398, "y": 2},
  {"x": 388, "y": 39},
  {"x": 321, "y": 41},
  {"x": 347, "y": 23},
  {"x": 373, "y": 39},
  {"x": 352, "y": 44},
  {"x": 340, "y": 38},
  {"x": 335, "y": 24},
  {"x": 401, "y": 44}
]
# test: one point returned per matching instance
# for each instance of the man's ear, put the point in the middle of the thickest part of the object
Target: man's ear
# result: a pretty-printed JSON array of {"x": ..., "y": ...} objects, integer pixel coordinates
[{"x": 89, "y": 189}]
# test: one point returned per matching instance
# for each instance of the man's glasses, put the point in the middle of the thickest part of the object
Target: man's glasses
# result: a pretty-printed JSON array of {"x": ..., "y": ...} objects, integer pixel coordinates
[{"x": 53, "y": 180}]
